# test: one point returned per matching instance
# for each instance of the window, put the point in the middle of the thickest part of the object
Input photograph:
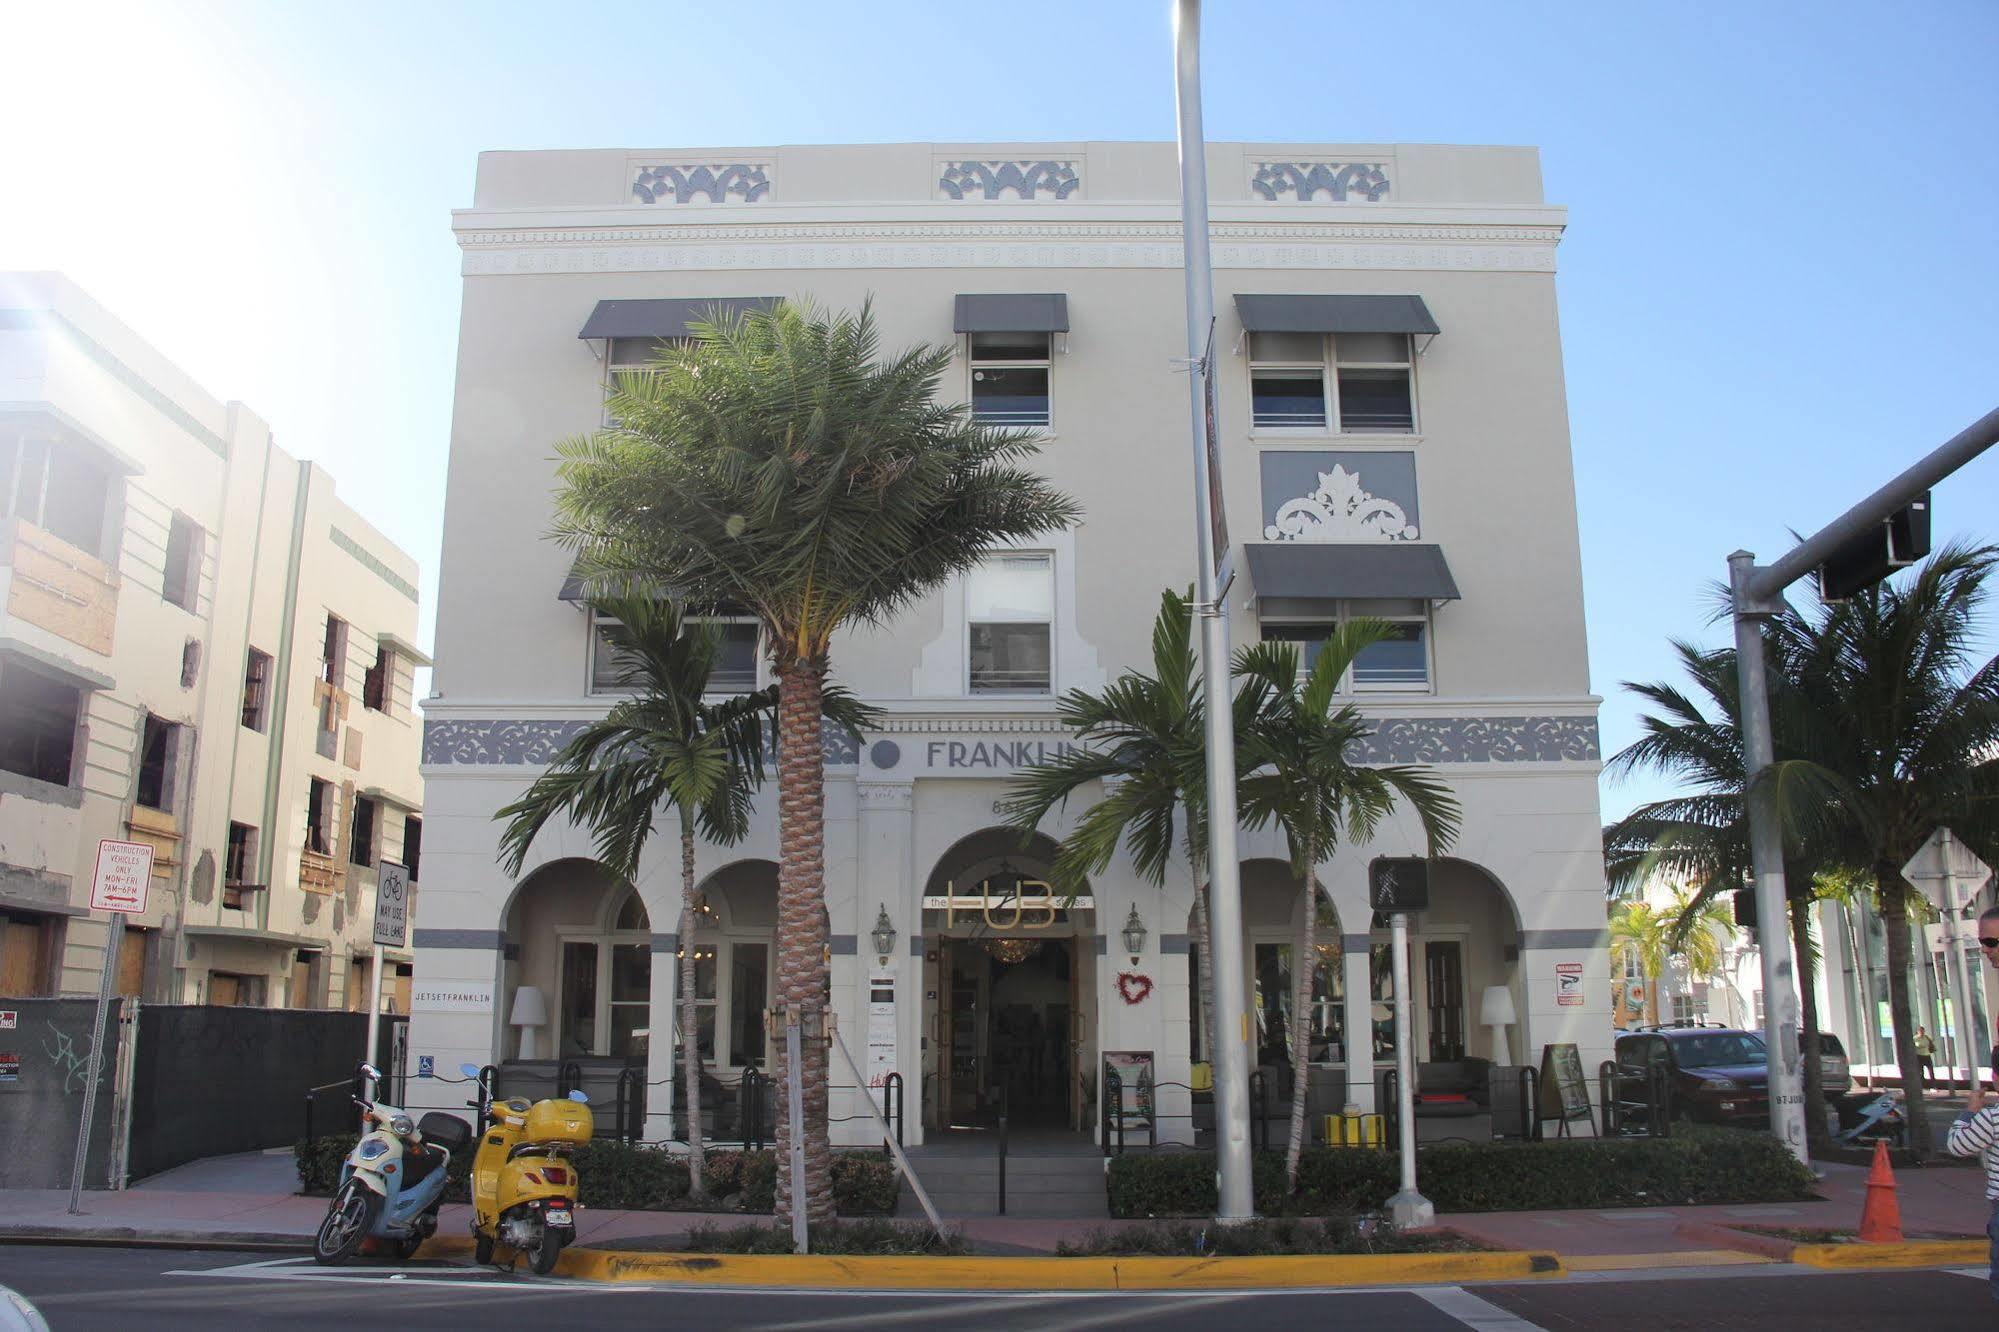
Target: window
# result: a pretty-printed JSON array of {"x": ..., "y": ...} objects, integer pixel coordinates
[
  {"x": 609, "y": 673},
  {"x": 1367, "y": 392},
  {"x": 361, "y": 845},
  {"x": 333, "y": 653},
  {"x": 1009, "y": 378},
  {"x": 628, "y": 356},
  {"x": 749, "y": 975},
  {"x": 736, "y": 657},
  {"x": 1683, "y": 1008},
  {"x": 412, "y": 844},
  {"x": 28, "y": 953},
  {"x": 38, "y": 717},
  {"x": 1010, "y": 612},
  {"x": 240, "y": 867},
  {"x": 181, "y": 583},
  {"x": 379, "y": 681},
  {"x": 256, "y": 690},
  {"x": 59, "y": 486},
  {"x": 1399, "y": 662},
  {"x": 1325, "y": 1018},
  {"x": 318, "y": 817},
  {"x": 159, "y": 746}
]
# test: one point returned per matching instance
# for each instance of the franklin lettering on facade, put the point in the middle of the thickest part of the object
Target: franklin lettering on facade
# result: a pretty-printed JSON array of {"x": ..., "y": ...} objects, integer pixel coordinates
[{"x": 1393, "y": 441}]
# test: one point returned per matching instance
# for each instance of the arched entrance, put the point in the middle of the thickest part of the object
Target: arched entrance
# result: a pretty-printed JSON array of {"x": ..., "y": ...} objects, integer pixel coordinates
[
  {"x": 1009, "y": 979},
  {"x": 585, "y": 947},
  {"x": 1468, "y": 942}
]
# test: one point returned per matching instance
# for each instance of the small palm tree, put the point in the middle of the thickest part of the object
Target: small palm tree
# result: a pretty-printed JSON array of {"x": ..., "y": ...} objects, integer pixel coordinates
[
  {"x": 667, "y": 747},
  {"x": 780, "y": 462},
  {"x": 1298, "y": 745},
  {"x": 1638, "y": 931}
]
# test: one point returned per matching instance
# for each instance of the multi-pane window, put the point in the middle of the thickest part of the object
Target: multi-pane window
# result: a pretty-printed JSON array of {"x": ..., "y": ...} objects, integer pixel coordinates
[
  {"x": 38, "y": 717},
  {"x": 1010, "y": 613},
  {"x": 1683, "y": 1008},
  {"x": 1351, "y": 383},
  {"x": 59, "y": 486},
  {"x": 1010, "y": 378},
  {"x": 158, "y": 754},
  {"x": 361, "y": 846},
  {"x": 735, "y": 668},
  {"x": 318, "y": 817},
  {"x": 256, "y": 690},
  {"x": 627, "y": 356},
  {"x": 1399, "y": 662},
  {"x": 180, "y": 583},
  {"x": 379, "y": 680}
]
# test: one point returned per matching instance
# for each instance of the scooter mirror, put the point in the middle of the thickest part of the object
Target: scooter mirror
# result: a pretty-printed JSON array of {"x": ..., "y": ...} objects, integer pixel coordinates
[
  {"x": 579, "y": 1098},
  {"x": 371, "y": 1071},
  {"x": 469, "y": 1070}
]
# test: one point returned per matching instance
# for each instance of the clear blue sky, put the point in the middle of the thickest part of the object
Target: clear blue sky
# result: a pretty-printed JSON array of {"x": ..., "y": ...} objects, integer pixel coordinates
[{"x": 1780, "y": 283}]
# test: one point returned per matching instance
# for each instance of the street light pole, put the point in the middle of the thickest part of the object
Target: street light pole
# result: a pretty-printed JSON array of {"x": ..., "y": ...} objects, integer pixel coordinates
[
  {"x": 1756, "y": 595},
  {"x": 1236, "y": 1193}
]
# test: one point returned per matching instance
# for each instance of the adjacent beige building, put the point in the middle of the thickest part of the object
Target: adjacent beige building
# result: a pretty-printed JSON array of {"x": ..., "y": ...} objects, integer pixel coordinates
[
  {"x": 203, "y": 648},
  {"x": 1394, "y": 442}
]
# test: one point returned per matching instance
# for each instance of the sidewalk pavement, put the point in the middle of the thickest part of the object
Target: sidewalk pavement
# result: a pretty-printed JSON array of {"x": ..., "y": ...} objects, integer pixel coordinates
[{"x": 188, "y": 1206}]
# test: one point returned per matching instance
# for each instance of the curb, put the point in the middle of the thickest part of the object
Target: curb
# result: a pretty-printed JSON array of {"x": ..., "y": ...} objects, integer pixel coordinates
[
  {"x": 973, "y": 1273},
  {"x": 1911, "y": 1253},
  {"x": 130, "y": 1237}
]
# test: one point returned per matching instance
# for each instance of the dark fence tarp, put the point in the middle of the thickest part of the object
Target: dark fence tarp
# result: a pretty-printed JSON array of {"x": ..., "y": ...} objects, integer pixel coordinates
[
  {"x": 210, "y": 1081},
  {"x": 44, "y": 1068}
]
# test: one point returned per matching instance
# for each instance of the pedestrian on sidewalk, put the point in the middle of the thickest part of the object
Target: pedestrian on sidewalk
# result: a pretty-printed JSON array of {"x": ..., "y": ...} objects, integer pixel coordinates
[
  {"x": 1976, "y": 1131},
  {"x": 1926, "y": 1050}
]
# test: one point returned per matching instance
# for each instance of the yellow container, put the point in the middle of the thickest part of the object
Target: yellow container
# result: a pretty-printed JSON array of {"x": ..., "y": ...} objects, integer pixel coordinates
[
  {"x": 558, "y": 1121},
  {"x": 1355, "y": 1130}
]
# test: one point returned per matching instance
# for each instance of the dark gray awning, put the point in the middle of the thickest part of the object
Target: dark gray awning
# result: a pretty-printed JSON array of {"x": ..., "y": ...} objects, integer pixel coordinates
[
  {"x": 667, "y": 317},
  {"x": 1334, "y": 314},
  {"x": 1371, "y": 571},
  {"x": 575, "y": 591},
  {"x": 1009, "y": 312}
]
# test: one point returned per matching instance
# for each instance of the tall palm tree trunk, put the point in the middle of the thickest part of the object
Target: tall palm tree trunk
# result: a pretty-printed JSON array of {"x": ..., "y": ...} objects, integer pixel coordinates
[
  {"x": 1301, "y": 1005},
  {"x": 690, "y": 1033},
  {"x": 1808, "y": 1002},
  {"x": 1891, "y": 896},
  {"x": 801, "y": 931}
]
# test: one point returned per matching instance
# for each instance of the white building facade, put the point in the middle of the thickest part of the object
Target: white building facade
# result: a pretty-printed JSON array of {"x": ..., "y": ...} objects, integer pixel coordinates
[
  {"x": 1394, "y": 442},
  {"x": 201, "y": 648}
]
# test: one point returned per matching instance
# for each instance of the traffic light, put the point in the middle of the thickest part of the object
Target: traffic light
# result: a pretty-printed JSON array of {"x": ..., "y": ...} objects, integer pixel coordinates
[
  {"x": 1398, "y": 883},
  {"x": 1870, "y": 557}
]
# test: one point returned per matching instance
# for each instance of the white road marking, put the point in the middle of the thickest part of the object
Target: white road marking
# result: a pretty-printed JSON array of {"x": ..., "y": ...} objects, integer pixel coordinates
[
  {"x": 304, "y": 1269},
  {"x": 1473, "y": 1311}
]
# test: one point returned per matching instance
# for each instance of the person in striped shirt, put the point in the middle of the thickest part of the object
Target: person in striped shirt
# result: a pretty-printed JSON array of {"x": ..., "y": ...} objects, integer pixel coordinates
[{"x": 1976, "y": 1131}]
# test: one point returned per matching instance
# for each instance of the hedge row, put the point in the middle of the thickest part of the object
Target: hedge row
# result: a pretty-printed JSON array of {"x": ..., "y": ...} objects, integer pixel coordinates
[
  {"x": 648, "y": 1178},
  {"x": 1694, "y": 1166}
]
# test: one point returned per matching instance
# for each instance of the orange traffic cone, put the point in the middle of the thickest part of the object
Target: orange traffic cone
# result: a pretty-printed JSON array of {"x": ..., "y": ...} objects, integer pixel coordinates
[{"x": 1881, "y": 1214}]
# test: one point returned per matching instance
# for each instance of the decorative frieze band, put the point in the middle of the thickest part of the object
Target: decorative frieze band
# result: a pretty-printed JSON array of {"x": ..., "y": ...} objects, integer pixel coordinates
[
  {"x": 1304, "y": 182},
  {"x": 684, "y": 182},
  {"x": 996, "y": 180},
  {"x": 1525, "y": 739}
]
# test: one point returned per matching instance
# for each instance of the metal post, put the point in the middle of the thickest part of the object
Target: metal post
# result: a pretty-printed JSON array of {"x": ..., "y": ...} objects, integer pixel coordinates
[
  {"x": 1408, "y": 1209},
  {"x": 1856, "y": 940},
  {"x": 113, "y": 941},
  {"x": 1960, "y": 985},
  {"x": 794, "y": 1085},
  {"x": 1235, "y": 1190},
  {"x": 1766, "y": 853},
  {"x": 374, "y": 1018}
]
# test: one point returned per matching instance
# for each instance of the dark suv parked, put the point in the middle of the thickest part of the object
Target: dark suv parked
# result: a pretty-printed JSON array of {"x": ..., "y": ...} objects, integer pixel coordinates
[{"x": 1720, "y": 1073}]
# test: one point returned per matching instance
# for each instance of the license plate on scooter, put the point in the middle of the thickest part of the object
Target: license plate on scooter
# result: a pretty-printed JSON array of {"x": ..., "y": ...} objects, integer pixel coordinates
[{"x": 558, "y": 1216}]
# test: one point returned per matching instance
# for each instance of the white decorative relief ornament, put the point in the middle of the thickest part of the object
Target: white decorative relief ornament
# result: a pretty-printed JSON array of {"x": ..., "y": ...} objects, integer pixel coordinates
[{"x": 1339, "y": 510}]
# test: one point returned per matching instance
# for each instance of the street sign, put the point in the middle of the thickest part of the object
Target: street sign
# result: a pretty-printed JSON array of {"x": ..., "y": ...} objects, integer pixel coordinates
[
  {"x": 1946, "y": 871},
  {"x": 123, "y": 878},
  {"x": 1398, "y": 883},
  {"x": 392, "y": 904}
]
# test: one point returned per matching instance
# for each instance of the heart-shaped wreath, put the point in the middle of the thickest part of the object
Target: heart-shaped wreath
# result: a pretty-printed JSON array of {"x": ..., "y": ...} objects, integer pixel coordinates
[{"x": 1132, "y": 987}]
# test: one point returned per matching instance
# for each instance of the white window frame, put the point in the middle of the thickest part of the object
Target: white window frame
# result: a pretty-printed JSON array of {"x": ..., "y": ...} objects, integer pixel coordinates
[
  {"x": 1328, "y": 368},
  {"x": 974, "y": 364},
  {"x": 608, "y": 938},
  {"x": 760, "y": 657},
  {"x": 594, "y": 643},
  {"x": 1345, "y": 613},
  {"x": 965, "y": 651},
  {"x": 613, "y": 367}
]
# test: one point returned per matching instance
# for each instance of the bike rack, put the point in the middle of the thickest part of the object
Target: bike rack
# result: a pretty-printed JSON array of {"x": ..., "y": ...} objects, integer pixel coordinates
[
  {"x": 489, "y": 1079},
  {"x": 568, "y": 1077},
  {"x": 631, "y": 1088},
  {"x": 1004, "y": 1106},
  {"x": 892, "y": 1099}
]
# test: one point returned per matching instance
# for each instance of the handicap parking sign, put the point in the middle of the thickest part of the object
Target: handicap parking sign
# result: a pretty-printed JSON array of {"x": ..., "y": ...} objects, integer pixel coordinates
[{"x": 426, "y": 1066}]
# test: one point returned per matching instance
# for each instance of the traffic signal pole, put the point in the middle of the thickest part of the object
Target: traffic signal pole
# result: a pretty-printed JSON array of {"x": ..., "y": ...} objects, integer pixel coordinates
[{"x": 1756, "y": 594}]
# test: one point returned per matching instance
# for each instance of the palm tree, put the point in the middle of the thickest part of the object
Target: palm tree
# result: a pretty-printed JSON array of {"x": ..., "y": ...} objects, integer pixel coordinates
[
  {"x": 1297, "y": 745},
  {"x": 779, "y": 462},
  {"x": 667, "y": 747},
  {"x": 1144, "y": 738},
  {"x": 1909, "y": 731},
  {"x": 1702, "y": 837},
  {"x": 1636, "y": 928}
]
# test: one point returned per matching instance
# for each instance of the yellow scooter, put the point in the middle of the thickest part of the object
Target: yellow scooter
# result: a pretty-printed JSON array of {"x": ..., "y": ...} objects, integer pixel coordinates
[{"x": 524, "y": 1188}]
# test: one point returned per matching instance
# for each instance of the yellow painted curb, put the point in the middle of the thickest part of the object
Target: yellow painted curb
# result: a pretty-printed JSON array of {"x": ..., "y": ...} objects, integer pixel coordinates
[
  {"x": 1625, "y": 1262},
  {"x": 1913, "y": 1253},
  {"x": 973, "y": 1273}
]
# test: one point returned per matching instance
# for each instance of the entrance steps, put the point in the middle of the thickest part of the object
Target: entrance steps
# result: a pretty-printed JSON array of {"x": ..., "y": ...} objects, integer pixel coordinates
[{"x": 1043, "y": 1179}]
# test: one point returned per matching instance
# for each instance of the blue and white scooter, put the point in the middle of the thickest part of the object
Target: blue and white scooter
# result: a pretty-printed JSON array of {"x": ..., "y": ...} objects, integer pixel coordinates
[{"x": 392, "y": 1183}]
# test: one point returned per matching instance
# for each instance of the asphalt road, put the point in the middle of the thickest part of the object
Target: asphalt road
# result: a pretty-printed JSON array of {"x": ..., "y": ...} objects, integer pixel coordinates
[{"x": 123, "y": 1289}]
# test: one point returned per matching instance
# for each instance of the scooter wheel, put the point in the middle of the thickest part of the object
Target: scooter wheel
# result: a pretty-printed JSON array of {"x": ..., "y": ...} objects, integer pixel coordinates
[
  {"x": 542, "y": 1257},
  {"x": 349, "y": 1218},
  {"x": 406, "y": 1248},
  {"x": 482, "y": 1249}
]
